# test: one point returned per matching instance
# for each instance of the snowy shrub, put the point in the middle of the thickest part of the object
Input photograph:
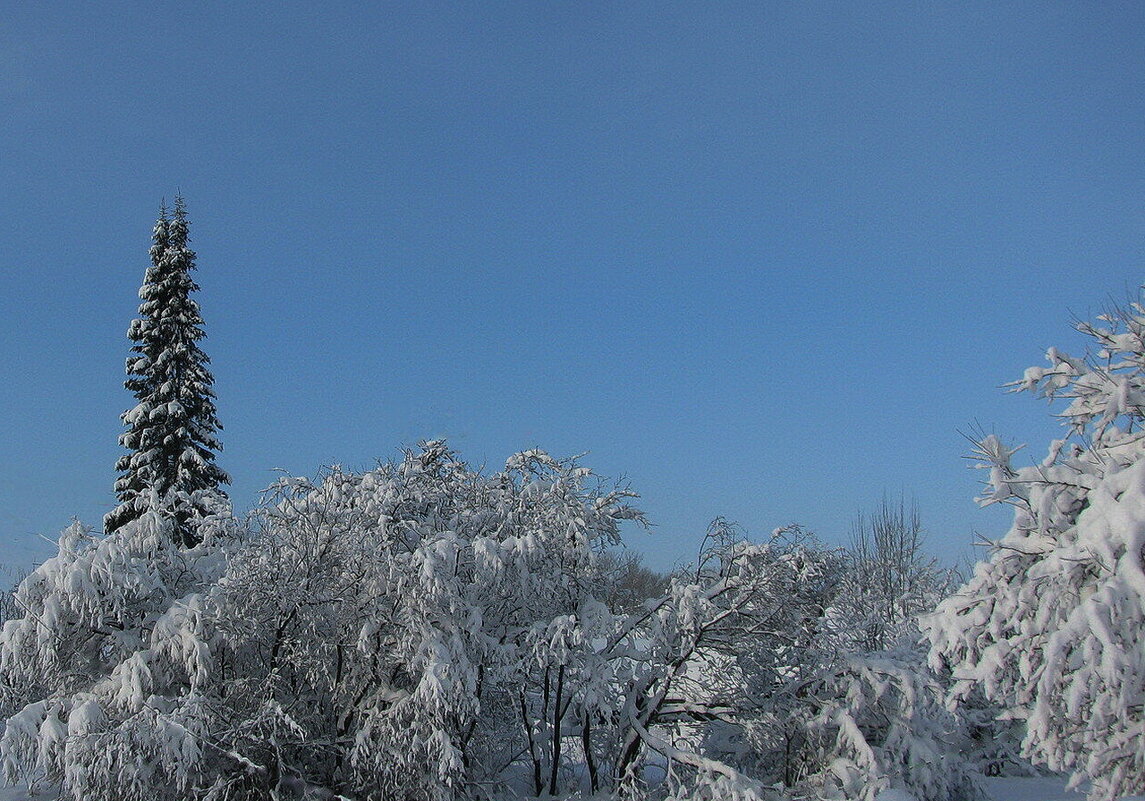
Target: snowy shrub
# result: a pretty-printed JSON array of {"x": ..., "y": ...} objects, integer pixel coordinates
[
  {"x": 422, "y": 629},
  {"x": 1052, "y": 626},
  {"x": 769, "y": 661},
  {"x": 416, "y": 631},
  {"x": 879, "y": 723},
  {"x": 485, "y": 601},
  {"x": 98, "y": 664}
]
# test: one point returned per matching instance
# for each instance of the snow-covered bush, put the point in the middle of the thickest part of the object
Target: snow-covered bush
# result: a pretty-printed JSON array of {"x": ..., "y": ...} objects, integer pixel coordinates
[
  {"x": 477, "y": 651},
  {"x": 1052, "y": 626},
  {"x": 879, "y": 723},
  {"x": 99, "y": 665},
  {"x": 415, "y": 631}
]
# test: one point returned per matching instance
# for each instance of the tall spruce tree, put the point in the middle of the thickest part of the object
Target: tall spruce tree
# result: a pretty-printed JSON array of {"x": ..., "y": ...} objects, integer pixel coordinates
[{"x": 171, "y": 431}]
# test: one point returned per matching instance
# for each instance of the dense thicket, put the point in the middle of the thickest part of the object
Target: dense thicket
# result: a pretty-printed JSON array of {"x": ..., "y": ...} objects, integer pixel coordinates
[{"x": 171, "y": 431}]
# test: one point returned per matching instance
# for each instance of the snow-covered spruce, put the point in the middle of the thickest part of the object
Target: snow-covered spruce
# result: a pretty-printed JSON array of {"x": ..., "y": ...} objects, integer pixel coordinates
[
  {"x": 171, "y": 431},
  {"x": 1052, "y": 626}
]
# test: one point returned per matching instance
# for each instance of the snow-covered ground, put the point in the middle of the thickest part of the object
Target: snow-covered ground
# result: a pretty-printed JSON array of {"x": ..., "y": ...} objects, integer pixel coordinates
[
  {"x": 1044, "y": 788},
  {"x": 1041, "y": 788},
  {"x": 20, "y": 793}
]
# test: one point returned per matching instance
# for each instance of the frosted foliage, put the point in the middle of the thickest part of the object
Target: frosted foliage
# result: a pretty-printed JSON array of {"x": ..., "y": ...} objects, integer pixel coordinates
[
  {"x": 426, "y": 631},
  {"x": 1053, "y": 624}
]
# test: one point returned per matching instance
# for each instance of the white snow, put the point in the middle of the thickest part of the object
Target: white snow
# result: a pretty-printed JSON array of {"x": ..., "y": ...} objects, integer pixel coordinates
[
  {"x": 1041, "y": 788},
  {"x": 894, "y": 795},
  {"x": 1037, "y": 788}
]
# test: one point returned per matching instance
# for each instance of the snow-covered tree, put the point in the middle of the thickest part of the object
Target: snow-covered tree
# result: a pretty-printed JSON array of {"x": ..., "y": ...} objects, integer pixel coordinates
[
  {"x": 697, "y": 665},
  {"x": 1052, "y": 625},
  {"x": 768, "y": 737},
  {"x": 171, "y": 431},
  {"x": 100, "y": 668},
  {"x": 419, "y": 631}
]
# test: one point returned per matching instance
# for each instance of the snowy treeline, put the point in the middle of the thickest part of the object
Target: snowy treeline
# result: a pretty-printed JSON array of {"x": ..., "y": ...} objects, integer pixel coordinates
[
  {"x": 429, "y": 631},
  {"x": 426, "y": 631}
]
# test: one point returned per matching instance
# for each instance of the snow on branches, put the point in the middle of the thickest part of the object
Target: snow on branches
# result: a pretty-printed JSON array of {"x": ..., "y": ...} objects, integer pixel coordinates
[
  {"x": 407, "y": 632},
  {"x": 1053, "y": 624},
  {"x": 107, "y": 659},
  {"x": 879, "y": 723},
  {"x": 431, "y": 632}
]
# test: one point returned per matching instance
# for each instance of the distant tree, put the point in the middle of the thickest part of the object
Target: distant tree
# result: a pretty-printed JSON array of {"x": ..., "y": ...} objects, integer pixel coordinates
[
  {"x": 889, "y": 580},
  {"x": 1052, "y": 625},
  {"x": 631, "y": 582},
  {"x": 171, "y": 431}
]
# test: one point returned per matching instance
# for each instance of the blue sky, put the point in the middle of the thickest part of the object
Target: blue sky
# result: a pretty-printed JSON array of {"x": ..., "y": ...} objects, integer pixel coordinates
[{"x": 764, "y": 260}]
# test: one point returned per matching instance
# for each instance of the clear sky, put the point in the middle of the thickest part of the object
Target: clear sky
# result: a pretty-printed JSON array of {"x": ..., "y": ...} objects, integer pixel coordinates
[{"x": 766, "y": 260}]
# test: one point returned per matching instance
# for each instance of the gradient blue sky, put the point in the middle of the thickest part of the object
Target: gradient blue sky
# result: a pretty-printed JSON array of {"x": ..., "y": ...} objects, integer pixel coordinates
[{"x": 765, "y": 260}]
